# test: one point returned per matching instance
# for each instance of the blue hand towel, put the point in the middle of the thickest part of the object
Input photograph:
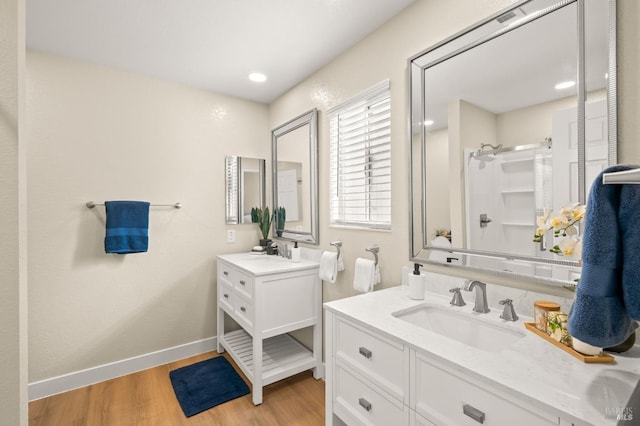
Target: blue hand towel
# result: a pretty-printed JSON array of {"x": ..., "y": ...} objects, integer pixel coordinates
[
  {"x": 598, "y": 315},
  {"x": 127, "y": 227},
  {"x": 629, "y": 219}
]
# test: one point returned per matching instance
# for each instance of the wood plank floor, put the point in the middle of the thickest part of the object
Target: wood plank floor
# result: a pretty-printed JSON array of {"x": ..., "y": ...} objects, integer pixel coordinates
[{"x": 146, "y": 398}]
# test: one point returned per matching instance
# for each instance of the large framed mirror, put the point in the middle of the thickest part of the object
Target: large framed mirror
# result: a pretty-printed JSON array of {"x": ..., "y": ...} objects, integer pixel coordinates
[
  {"x": 510, "y": 119},
  {"x": 245, "y": 187},
  {"x": 294, "y": 149}
]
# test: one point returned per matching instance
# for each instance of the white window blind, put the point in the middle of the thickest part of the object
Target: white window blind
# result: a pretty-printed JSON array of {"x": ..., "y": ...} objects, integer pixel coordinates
[{"x": 360, "y": 160}]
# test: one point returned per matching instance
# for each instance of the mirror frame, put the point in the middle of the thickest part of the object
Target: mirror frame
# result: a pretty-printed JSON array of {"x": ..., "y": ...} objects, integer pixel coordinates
[
  {"x": 309, "y": 118},
  {"x": 237, "y": 204},
  {"x": 416, "y": 137}
]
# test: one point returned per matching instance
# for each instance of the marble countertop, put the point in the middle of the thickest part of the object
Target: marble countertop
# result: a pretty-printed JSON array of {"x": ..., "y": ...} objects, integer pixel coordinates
[
  {"x": 262, "y": 264},
  {"x": 534, "y": 369}
]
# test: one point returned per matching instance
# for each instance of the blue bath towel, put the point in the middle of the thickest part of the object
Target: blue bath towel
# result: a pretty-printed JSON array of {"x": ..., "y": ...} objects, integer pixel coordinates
[
  {"x": 598, "y": 315},
  {"x": 629, "y": 219},
  {"x": 127, "y": 227}
]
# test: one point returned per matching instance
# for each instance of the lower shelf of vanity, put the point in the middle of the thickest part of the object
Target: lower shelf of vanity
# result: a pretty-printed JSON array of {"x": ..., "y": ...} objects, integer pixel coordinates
[{"x": 282, "y": 356}]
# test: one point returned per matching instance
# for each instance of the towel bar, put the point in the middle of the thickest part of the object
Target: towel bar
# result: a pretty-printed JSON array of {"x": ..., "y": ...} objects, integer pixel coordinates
[
  {"x": 91, "y": 204},
  {"x": 622, "y": 177},
  {"x": 374, "y": 249}
]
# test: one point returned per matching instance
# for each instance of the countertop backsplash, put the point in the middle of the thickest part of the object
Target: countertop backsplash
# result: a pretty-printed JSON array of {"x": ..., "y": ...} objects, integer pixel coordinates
[{"x": 522, "y": 299}]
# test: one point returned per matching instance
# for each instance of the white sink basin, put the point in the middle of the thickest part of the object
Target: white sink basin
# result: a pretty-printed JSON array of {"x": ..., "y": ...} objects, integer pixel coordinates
[{"x": 487, "y": 334}]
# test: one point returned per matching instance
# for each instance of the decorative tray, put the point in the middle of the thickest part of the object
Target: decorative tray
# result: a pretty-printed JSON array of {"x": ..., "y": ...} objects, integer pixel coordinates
[{"x": 602, "y": 358}]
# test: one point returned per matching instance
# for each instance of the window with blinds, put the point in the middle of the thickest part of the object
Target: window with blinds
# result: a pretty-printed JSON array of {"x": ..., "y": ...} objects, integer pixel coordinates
[{"x": 360, "y": 160}]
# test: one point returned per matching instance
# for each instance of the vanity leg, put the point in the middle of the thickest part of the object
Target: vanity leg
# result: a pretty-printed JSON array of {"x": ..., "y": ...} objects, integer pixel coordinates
[
  {"x": 328, "y": 373},
  {"x": 318, "y": 370},
  {"x": 317, "y": 344},
  {"x": 257, "y": 370},
  {"x": 220, "y": 348}
]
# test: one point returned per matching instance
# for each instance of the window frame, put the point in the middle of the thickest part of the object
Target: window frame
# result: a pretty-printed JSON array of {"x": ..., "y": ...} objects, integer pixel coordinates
[{"x": 370, "y": 142}]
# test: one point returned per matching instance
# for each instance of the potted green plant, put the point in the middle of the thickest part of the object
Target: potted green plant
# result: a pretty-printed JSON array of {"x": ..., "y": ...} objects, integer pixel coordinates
[
  {"x": 263, "y": 219},
  {"x": 279, "y": 217}
]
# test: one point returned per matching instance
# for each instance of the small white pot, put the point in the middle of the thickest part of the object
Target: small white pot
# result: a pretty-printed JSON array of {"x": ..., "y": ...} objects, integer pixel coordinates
[{"x": 584, "y": 348}]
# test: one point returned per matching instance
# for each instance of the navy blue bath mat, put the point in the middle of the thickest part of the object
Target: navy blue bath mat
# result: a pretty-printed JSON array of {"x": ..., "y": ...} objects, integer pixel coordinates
[{"x": 206, "y": 384}]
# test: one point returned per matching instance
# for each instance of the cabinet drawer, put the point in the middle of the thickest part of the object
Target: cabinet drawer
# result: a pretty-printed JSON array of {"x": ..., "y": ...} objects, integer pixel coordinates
[
  {"x": 418, "y": 420},
  {"x": 359, "y": 403},
  {"x": 244, "y": 312},
  {"x": 444, "y": 397},
  {"x": 225, "y": 272},
  {"x": 382, "y": 361},
  {"x": 226, "y": 297},
  {"x": 241, "y": 282}
]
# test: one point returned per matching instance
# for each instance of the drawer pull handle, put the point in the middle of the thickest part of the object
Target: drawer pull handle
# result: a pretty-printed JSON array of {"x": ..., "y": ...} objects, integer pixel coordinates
[
  {"x": 225, "y": 272},
  {"x": 365, "y": 352},
  {"x": 473, "y": 412},
  {"x": 364, "y": 404},
  {"x": 242, "y": 282},
  {"x": 243, "y": 309},
  {"x": 226, "y": 296}
]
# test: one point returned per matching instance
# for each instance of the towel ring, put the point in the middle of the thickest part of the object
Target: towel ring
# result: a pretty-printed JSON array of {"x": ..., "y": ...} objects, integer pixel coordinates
[
  {"x": 374, "y": 250},
  {"x": 337, "y": 245}
]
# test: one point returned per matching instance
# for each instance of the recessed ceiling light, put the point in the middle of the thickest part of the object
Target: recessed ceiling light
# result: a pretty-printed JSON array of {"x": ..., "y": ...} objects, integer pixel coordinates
[
  {"x": 565, "y": 85},
  {"x": 428, "y": 123},
  {"x": 257, "y": 77}
]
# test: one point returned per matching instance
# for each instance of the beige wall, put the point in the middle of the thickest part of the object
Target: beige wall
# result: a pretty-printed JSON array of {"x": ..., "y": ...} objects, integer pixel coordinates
[
  {"x": 437, "y": 169},
  {"x": 100, "y": 134},
  {"x": 13, "y": 285},
  {"x": 531, "y": 124}
]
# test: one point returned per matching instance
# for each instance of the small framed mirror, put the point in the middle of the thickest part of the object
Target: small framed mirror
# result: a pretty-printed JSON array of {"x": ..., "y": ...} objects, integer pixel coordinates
[
  {"x": 294, "y": 148},
  {"x": 245, "y": 183}
]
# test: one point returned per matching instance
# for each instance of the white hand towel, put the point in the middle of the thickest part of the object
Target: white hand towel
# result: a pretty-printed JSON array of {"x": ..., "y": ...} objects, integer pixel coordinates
[
  {"x": 364, "y": 275},
  {"x": 328, "y": 266},
  {"x": 340, "y": 264}
]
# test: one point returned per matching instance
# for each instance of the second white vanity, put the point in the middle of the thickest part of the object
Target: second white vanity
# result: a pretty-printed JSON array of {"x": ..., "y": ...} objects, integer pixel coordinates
[
  {"x": 396, "y": 361},
  {"x": 269, "y": 296}
]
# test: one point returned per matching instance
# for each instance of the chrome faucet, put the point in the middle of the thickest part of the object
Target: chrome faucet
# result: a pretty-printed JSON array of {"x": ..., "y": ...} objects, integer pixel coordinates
[
  {"x": 509, "y": 313},
  {"x": 481, "y": 295},
  {"x": 457, "y": 299}
]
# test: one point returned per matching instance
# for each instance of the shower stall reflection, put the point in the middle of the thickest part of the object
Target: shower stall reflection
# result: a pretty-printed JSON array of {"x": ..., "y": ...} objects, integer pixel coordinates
[{"x": 505, "y": 190}]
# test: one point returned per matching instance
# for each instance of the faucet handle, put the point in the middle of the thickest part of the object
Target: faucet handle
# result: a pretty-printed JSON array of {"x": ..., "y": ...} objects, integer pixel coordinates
[
  {"x": 508, "y": 313},
  {"x": 457, "y": 299}
]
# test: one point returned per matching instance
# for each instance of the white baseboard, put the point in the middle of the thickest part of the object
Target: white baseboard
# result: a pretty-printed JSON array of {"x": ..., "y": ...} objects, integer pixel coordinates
[{"x": 112, "y": 370}]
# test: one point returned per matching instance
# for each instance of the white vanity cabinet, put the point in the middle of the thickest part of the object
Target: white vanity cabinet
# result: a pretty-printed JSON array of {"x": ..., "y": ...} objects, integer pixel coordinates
[
  {"x": 384, "y": 370},
  {"x": 268, "y": 297},
  {"x": 449, "y": 397},
  {"x": 369, "y": 376},
  {"x": 373, "y": 379}
]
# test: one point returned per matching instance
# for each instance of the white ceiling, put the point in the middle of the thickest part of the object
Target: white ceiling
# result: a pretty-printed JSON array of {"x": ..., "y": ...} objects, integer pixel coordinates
[{"x": 210, "y": 44}]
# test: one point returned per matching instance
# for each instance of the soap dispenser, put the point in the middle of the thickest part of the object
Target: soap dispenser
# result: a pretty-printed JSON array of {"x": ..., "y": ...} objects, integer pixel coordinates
[
  {"x": 416, "y": 283},
  {"x": 295, "y": 252}
]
